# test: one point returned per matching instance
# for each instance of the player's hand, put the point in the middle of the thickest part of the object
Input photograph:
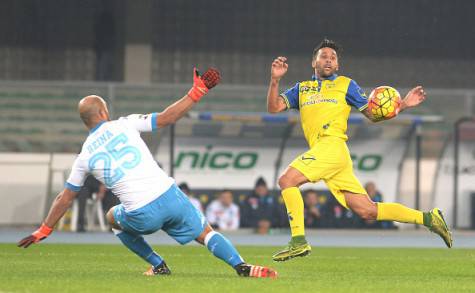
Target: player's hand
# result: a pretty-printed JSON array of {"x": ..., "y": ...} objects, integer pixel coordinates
[
  {"x": 279, "y": 68},
  {"x": 40, "y": 234},
  {"x": 414, "y": 97},
  {"x": 203, "y": 83}
]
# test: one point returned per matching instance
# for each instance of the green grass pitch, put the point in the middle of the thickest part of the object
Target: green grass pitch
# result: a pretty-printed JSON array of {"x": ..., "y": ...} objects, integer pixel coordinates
[{"x": 111, "y": 268}]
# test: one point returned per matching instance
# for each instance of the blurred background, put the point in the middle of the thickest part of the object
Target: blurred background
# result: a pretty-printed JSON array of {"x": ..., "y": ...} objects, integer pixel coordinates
[{"x": 139, "y": 56}]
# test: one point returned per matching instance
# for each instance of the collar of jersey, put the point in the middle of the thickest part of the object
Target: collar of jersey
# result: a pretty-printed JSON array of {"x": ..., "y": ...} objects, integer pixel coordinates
[
  {"x": 331, "y": 77},
  {"x": 96, "y": 127}
]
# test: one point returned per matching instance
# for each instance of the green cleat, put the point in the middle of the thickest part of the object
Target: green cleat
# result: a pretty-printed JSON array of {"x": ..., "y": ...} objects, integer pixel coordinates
[
  {"x": 439, "y": 226},
  {"x": 292, "y": 250}
]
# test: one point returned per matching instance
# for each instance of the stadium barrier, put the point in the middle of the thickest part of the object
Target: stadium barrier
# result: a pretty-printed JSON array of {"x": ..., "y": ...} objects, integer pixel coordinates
[{"x": 454, "y": 182}]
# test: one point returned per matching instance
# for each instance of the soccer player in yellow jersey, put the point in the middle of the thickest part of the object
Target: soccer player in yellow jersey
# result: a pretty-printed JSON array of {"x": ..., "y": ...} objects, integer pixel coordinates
[{"x": 324, "y": 103}]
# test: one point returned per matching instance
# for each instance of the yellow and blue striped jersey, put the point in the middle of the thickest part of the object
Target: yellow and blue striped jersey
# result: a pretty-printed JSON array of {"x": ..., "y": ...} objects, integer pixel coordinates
[{"x": 325, "y": 105}]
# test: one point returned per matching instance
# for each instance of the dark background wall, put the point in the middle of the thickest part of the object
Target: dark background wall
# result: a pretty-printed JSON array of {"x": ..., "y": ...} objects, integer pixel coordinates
[
  {"x": 391, "y": 28},
  {"x": 56, "y": 40},
  {"x": 407, "y": 42}
]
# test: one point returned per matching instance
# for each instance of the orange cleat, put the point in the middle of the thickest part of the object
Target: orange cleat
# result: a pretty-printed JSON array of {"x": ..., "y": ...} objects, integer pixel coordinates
[{"x": 247, "y": 270}]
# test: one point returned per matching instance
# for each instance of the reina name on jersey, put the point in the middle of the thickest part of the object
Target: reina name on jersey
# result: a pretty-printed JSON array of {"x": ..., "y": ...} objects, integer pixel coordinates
[{"x": 99, "y": 142}]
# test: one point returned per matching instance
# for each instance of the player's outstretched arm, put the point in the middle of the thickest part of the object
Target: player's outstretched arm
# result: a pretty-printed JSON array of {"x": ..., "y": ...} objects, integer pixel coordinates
[
  {"x": 60, "y": 205},
  {"x": 413, "y": 98},
  {"x": 201, "y": 85},
  {"x": 275, "y": 103}
]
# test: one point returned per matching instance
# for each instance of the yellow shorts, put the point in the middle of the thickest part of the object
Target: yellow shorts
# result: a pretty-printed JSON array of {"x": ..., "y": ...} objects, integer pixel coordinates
[{"x": 329, "y": 160}]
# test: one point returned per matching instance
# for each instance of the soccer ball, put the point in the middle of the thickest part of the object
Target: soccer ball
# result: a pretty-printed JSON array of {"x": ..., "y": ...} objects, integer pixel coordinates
[{"x": 384, "y": 102}]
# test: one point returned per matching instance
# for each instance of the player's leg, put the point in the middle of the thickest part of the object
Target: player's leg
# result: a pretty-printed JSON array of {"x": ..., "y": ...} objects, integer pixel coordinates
[
  {"x": 351, "y": 194},
  {"x": 289, "y": 183},
  {"x": 136, "y": 243},
  {"x": 362, "y": 205},
  {"x": 219, "y": 246},
  {"x": 223, "y": 249}
]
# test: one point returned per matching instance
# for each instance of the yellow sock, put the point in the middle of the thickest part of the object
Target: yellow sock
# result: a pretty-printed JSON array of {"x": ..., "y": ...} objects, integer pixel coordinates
[
  {"x": 294, "y": 204},
  {"x": 399, "y": 213}
]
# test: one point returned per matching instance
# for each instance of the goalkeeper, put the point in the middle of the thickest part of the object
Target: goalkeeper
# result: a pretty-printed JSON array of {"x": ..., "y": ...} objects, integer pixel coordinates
[
  {"x": 116, "y": 155},
  {"x": 324, "y": 103}
]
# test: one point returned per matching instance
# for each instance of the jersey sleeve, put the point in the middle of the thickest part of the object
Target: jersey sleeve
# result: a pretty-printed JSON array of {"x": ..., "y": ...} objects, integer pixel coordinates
[
  {"x": 77, "y": 176},
  {"x": 356, "y": 97},
  {"x": 291, "y": 97},
  {"x": 142, "y": 122}
]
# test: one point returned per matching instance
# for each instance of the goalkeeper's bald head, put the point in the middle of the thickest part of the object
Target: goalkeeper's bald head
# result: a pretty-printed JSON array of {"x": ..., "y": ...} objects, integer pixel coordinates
[{"x": 92, "y": 110}]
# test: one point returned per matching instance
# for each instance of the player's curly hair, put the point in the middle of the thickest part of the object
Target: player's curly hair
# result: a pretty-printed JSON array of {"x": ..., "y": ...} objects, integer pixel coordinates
[{"x": 326, "y": 43}]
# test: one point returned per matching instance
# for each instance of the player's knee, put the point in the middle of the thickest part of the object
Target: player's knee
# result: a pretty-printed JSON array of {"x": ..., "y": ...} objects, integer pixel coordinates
[
  {"x": 284, "y": 182},
  {"x": 111, "y": 220},
  {"x": 367, "y": 212},
  {"x": 201, "y": 239},
  {"x": 367, "y": 215},
  {"x": 110, "y": 216}
]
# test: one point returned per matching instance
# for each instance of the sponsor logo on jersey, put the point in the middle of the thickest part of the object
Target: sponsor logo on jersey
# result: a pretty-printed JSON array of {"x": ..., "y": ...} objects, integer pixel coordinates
[
  {"x": 319, "y": 100},
  {"x": 309, "y": 88}
]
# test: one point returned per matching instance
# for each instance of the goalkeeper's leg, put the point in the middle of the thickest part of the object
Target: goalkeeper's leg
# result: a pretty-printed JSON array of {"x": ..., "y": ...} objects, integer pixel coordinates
[
  {"x": 138, "y": 245},
  {"x": 223, "y": 249},
  {"x": 362, "y": 205}
]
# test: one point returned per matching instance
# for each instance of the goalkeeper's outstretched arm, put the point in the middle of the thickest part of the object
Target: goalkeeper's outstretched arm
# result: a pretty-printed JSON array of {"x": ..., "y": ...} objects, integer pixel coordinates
[
  {"x": 275, "y": 102},
  {"x": 201, "y": 85},
  {"x": 60, "y": 205}
]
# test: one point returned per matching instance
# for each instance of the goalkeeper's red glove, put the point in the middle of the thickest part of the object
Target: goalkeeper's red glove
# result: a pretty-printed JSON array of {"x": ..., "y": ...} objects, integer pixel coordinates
[
  {"x": 203, "y": 83},
  {"x": 40, "y": 234}
]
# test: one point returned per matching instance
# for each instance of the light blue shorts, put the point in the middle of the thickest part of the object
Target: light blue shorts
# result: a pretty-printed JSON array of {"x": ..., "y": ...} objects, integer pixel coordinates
[{"x": 172, "y": 212}]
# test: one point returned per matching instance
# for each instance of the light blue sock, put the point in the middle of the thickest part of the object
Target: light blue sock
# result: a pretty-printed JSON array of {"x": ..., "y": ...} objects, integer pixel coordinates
[
  {"x": 138, "y": 245},
  {"x": 222, "y": 248}
]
